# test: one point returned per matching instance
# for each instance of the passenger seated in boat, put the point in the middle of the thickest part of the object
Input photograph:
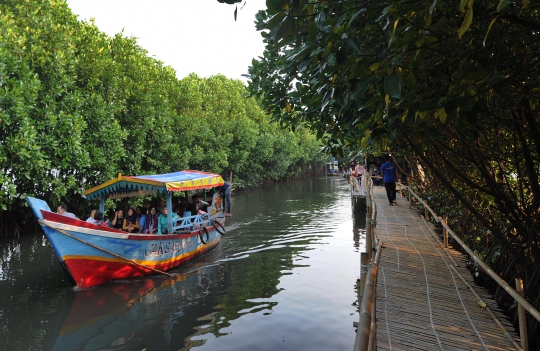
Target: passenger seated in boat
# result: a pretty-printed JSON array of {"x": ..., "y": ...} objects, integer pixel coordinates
[
  {"x": 141, "y": 213},
  {"x": 163, "y": 227},
  {"x": 118, "y": 220},
  {"x": 98, "y": 219},
  {"x": 62, "y": 210},
  {"x": 198, "y": 210},
  {"x": 91, "y": 218},
  {"x": 131, "y": 222},
  {"x": 179, "y": 210},
  {"x": 202, "y": 204},
  {"x": 151, "y": 226}
]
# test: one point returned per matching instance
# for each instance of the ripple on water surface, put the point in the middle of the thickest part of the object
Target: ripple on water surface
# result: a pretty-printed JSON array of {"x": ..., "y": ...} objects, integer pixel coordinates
[{"x": 282, "y": 279}]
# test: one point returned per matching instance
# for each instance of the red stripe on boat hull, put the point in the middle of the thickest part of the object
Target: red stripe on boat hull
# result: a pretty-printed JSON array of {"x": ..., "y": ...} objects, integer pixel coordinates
[{"x": 89, "y": 272}]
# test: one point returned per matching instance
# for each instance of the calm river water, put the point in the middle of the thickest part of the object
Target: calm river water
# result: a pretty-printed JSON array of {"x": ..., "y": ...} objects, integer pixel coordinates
[{"x": 281, "y": 279}]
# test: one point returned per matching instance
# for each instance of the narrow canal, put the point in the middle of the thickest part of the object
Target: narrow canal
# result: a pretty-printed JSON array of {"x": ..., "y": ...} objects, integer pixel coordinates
[{"x": 281, "y": 279}]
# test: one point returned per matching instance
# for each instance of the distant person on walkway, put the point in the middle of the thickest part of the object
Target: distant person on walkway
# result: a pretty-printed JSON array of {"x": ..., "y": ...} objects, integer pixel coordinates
[
  {"x": 390, "y": 176},
  {"x": 62, "y": 210},
  {"x": 377, "y": 173},
  {"x": 226, "y": 191},
  {"x": 359, "y": 170}
]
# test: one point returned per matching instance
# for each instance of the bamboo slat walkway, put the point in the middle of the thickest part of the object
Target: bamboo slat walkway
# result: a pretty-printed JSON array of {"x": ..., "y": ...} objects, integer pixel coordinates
[{"x": 422, "y": 302}]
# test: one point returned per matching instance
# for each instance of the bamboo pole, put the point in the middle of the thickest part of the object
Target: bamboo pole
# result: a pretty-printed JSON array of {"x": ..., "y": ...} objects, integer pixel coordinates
[
  {"x": 364, "y": 260},
  {"x": 522, "y": 317},
  {"x": 104, "y": 250},
  {"x": 361, "y": 342},
  {"x": 369, "y": 242}
]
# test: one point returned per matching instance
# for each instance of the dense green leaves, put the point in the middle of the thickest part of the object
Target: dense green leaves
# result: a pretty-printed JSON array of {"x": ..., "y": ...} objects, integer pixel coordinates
[
  {"x": 77, "y": 107},
  {"x": 451, "y": 85}
]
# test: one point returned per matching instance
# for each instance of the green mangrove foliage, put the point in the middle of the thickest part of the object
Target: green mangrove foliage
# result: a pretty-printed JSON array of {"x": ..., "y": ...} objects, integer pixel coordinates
[
  {"x": 452, "y": 85},
  {"x": 77, "y": 107}
]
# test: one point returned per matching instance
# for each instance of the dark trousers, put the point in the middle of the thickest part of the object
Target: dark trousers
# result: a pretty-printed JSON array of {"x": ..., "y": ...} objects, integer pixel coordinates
[{"x": 390, "y": 191}]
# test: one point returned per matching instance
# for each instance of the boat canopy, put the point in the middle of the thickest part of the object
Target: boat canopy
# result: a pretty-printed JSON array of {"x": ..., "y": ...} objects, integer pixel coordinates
[{"x": 128, "y": 186}]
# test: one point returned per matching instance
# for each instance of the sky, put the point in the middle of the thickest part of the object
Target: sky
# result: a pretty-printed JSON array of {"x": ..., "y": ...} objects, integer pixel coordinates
[{"x": 199, "y": 36}]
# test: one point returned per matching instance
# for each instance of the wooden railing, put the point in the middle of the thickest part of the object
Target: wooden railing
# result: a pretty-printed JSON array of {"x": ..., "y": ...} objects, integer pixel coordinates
[
  {"x": 523, "y": 305},
  {"x": 366, "y": 334}
]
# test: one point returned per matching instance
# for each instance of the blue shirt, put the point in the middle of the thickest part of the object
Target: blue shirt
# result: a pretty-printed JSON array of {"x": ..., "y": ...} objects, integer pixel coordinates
[
  {"x": 389, "y": 172},
  {"x": 142, "y": 223}
]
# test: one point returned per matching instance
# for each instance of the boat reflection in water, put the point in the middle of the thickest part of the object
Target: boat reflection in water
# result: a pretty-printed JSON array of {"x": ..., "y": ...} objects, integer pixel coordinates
[{"x": 140, "y": 314}]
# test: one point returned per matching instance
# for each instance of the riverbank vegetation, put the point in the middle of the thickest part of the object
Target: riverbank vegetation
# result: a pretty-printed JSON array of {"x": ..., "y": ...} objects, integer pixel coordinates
[
  {"x": 77, "y": 107},
  {"x": 451, "y": 86}
]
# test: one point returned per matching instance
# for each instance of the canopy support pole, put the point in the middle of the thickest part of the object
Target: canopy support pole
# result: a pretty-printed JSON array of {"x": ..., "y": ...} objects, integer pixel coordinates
[
  {"x": 169, "y": 212},
  {"x": 102, "y": 205}
]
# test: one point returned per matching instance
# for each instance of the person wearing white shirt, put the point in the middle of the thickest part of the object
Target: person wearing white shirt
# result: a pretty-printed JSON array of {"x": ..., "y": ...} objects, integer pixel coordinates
[{"x": 62, "y": 210}]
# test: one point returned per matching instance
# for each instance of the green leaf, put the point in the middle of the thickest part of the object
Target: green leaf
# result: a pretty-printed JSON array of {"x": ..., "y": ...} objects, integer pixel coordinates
[
  {"x": 468, "y": 19},
  {"x": 353, "y": 47},
  {"x": 489, "y": 28},
  {"x": 392, "y": 86},
  {"x": 433, "y": 5},
  {"x": 503, "y": 4},
  {"x": 441, "y": 114},
  {"x": 362, "y": 87},
  {"x": 462, "y": 4},
  {"x": 362, "y": 10}
]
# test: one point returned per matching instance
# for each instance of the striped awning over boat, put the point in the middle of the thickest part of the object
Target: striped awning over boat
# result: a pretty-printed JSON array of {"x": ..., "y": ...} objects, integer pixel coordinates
[{"x": 128, "y": 186}]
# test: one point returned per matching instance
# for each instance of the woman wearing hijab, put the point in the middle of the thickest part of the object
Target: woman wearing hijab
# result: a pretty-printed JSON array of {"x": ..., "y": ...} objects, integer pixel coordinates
[
  {"x": 151, "y": 222},
  {"x": 163, "y": 226},
  {"x": 131, "y": 222}
]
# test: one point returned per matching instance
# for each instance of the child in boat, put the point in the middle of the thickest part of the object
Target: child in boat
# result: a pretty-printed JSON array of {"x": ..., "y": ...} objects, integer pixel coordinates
[
  {"x": 98, "y": 219},
  {"x": 131, "y": 222},
  {"x": 198, "y": 210}
]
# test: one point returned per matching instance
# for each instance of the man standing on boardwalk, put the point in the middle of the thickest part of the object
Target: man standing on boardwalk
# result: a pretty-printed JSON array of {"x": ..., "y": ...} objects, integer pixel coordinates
[{"x": 390, "y": 176}]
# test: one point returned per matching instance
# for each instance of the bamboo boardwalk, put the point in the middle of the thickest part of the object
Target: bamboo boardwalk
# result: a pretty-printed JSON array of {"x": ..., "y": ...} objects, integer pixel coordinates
[{"x": 424, "y": 301}]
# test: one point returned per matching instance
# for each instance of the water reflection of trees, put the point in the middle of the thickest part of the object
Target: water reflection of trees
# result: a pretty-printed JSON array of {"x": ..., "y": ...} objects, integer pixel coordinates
[{"x": 30, "y": 302}]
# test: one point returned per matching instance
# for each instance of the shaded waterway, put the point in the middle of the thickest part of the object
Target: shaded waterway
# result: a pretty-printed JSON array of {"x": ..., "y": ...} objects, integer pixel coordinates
[{"x": 281, "y": 279}]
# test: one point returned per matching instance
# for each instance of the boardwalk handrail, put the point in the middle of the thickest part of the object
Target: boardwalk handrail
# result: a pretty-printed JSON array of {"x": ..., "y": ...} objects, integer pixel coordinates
[
  {"x": 520, "y": 300},
  {"x": 366, "y": 333},
  {"x": 367, "y": 307}
]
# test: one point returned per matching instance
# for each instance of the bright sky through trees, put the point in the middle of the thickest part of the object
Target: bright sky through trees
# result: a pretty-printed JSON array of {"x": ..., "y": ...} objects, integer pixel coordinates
[{"x": 191, "y": 36}]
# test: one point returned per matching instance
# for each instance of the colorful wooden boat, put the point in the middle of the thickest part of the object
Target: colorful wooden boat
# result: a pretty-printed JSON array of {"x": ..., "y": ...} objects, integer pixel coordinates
[{"x": 92, "y": 254}]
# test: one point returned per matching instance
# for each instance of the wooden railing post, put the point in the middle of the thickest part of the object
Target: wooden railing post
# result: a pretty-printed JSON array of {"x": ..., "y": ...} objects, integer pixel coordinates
[
  {"x": 426, "y": 214},
  {"x": 410, "y": 198},
  {"x": 446, "y": 233},
  {"x": 522, "y": 317}
]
